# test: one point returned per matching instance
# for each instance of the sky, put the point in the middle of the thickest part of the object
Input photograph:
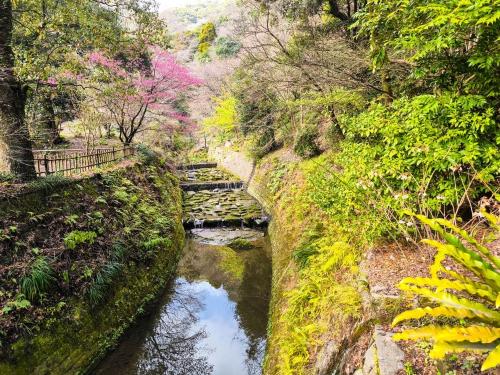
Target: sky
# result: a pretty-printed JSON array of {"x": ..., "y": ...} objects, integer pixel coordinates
[{"x": 165, "y": 4}]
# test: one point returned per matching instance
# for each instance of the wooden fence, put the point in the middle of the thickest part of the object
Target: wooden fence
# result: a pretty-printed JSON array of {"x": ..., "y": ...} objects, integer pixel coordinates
[{"x": 76, "y": 161}]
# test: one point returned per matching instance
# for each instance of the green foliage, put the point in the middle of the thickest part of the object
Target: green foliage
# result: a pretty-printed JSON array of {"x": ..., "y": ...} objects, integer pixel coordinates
[
  {"x": 313, "y": 297},
  {"x": 470, "y": 299},
  {"x": 71, "y": 219},
  {"x": 103, "y": 281},
  {"x": 306, "y": 142},
  {"x": 203, "y": 57},
  {"x": 7, "y": 177},
  {"x": 224, "y": 117},
  {"x": 157, "y": 243},
  {"x": 146, "y": 154},
  {"x": 78, "y": 237},
  {"x": 226, "y": 47},
  {"x": 121, "y": 194},
  {"x": 450, "y": 44},
  {"x": 18, "y": 304},
  {"x": 49, "y": 182},
  {"x": 309, "y": 246},
  {"x": 262, "y": 143},
  {"x": 432, "y": 149},
  {"x": 203, "y": 49},
  {"x": 38, "y": 280}
]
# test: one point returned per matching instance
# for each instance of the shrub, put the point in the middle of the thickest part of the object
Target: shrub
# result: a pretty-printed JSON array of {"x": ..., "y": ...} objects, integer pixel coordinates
[
  {"x": 38, "y": 280},
  {"x": 226, "y": 47},
  {"x": 469, "y": 300},
  {"x": 433, "y": 148},
  {"x": 305, "y": 143},
  {"x": 224, "y": 117},
  {"x": 207, "y": 33},
  {"x": 78, "y": 237},
  {"x": 203, "y": 48},
  {"x": 146, "y": 154}
]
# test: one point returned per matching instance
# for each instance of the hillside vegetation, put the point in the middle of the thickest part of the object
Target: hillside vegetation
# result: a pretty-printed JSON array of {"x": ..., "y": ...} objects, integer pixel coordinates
[{"x": 359, "y": 114}]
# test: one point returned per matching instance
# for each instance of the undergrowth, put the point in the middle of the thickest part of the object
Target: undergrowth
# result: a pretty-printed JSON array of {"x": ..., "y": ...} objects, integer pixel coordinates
[
  {"x": 326, "y": 251},
  {"x": 38, "y": 280}
]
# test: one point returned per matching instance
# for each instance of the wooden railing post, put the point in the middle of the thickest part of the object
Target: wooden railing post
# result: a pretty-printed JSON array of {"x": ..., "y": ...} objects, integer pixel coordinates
[{"x": 46, "y": 164}]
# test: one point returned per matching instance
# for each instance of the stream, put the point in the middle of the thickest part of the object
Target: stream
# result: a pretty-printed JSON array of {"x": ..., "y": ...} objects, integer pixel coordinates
[{"x": 212, "y": 318}]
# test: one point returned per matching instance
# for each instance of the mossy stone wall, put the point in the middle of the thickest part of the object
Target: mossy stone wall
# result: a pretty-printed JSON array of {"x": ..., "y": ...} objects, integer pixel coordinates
[{"x": 76, "y": 341}]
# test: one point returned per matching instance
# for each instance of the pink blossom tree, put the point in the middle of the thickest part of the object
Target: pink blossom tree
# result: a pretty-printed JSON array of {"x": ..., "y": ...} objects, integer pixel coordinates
[{"x": 139, "y": 92}]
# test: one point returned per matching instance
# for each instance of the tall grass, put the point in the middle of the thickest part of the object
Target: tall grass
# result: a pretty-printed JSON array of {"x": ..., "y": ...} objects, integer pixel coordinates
[{"x": 38, "y": 280}]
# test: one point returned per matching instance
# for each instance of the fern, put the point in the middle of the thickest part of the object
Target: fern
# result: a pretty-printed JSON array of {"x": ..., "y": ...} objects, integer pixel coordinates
[
  {"x": 78, "y": 237},
  {"x": 471, "y": 299}
]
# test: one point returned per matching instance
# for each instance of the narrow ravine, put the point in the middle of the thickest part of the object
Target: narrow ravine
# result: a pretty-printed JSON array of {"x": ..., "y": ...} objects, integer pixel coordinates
[{"x": 212, "y": 319}]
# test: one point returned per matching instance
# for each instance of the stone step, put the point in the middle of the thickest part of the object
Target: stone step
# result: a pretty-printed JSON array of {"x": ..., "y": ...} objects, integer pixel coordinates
[
  {"x": 257, "y": 222},
  {"x": 197, "y": 166},
  {"x": 211, "y": 185}
]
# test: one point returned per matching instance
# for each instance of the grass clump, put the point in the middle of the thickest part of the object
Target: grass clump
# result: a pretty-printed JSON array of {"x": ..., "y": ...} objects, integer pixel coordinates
[
  {"x": 38, "y": 280},
  {"x": 318, "y": 257},
  {"x": 103, "y": 281},
  {"x": 318, "y": 299}
]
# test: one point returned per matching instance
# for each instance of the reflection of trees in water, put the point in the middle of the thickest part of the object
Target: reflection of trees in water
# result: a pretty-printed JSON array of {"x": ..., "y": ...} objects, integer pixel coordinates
[
  {"x": 173, "y": 348},
  {"x": 252, "y": 308},
  {"x": 255, "y": 356}
]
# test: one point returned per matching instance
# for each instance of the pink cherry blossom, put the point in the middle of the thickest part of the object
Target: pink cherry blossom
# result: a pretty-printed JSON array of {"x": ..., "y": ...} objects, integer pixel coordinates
[{"x": 137, "y": 93}]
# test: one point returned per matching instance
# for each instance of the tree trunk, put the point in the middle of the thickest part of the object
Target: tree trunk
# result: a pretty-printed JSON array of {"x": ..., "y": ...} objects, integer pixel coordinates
[
  {"x": 336, "y": 12},
  {"x": 49, "y": 120},
  {"x": 13, "y": 129}
]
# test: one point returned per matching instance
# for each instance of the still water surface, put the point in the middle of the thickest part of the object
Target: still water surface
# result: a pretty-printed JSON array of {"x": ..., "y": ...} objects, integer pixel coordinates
[{"x": 212, "y": 319}]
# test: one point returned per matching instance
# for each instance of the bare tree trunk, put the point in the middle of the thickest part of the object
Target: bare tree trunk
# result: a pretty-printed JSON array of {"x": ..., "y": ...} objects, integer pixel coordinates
[{"x": 13, "y": 130}]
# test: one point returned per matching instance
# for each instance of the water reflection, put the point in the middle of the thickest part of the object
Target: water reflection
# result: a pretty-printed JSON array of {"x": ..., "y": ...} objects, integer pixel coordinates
[
  {"x": 207, "y": 322},
  {"x": 175, "y": 347}
]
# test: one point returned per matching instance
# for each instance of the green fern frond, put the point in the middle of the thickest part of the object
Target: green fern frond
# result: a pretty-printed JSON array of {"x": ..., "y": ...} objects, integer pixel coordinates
[
  {"x": 473, "y": 333},
  {"x": 450, "y": 300},
  {"x": 483, "y": 249},
  {"x": 470, "y": 260},
  {"x": 480, "y": 307},
  {"x": 445, "y": 311},
  {"x": 441, "y": 348},
  {"x": 442, "y": 284}
]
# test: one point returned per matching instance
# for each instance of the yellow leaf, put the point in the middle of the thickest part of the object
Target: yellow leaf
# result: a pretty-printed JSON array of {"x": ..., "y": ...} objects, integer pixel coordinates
[{"x": 492, "y": 360}]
